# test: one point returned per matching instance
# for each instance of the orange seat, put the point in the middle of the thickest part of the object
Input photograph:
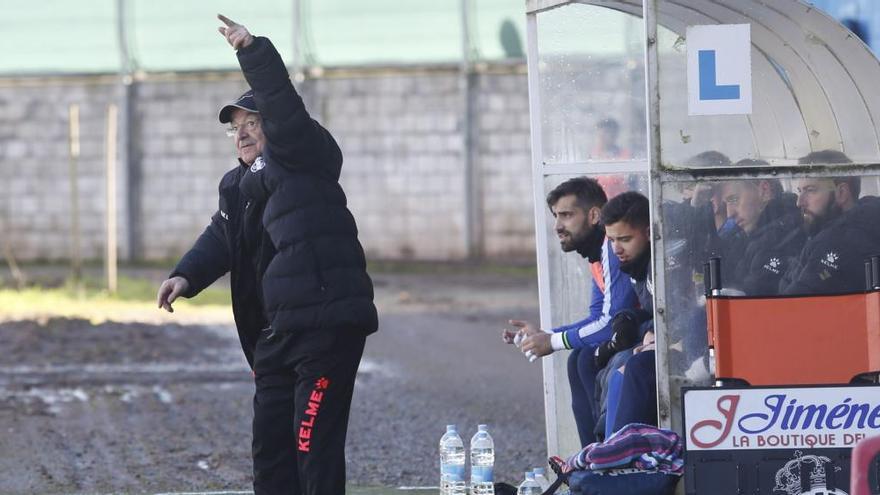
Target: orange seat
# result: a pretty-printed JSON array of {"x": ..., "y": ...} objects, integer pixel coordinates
[{"x": 795, "y": 340}]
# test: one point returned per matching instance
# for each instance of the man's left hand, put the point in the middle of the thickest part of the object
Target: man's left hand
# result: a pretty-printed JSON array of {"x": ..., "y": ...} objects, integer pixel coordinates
[
  {"x": 236, "y": 35},
  {"x": 537, "y": 344}
]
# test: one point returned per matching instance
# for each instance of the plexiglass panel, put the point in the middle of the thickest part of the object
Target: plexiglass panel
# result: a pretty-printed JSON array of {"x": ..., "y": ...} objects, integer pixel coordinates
[
  {"x": 592, "y": 94},
  {"x": 775, "y": 237},
  {"x": 810, "y": 81}
]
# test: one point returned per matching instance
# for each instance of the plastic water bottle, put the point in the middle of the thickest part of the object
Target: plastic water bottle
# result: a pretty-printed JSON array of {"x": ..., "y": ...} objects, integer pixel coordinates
[
  {"x": 452, "y": 463},
  {"x": 542, "y": 480},
  {"x": 529, "y": 486},
  {"x": 482, "y": 462}
]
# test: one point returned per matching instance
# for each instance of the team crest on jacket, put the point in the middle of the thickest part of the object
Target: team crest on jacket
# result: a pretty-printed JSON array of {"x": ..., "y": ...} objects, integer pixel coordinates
[
  {"x": 258, "y": 165},
  {"x": 773, "y": 265},
  {"x": 830, "y": 259}
]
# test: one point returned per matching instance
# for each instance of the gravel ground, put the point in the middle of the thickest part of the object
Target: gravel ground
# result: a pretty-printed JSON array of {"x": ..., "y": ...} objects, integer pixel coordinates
[{"x": 146, "y": 407}]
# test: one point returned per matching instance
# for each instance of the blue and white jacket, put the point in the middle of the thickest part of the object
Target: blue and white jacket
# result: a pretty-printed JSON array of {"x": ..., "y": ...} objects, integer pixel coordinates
[{"x": 612, "y": 292}]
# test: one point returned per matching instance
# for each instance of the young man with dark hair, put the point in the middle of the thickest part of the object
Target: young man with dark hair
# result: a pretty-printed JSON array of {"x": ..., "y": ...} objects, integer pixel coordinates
[
  {"x": 632, "y": 390},
  {"x": 576, "y": 206},
  {"x": 627, "y": 226}
]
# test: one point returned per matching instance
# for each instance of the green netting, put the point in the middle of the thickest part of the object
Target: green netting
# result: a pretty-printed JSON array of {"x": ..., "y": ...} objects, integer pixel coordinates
[
  {"x": 58, "y": 36},
  {"x": 182, "y": 35}
]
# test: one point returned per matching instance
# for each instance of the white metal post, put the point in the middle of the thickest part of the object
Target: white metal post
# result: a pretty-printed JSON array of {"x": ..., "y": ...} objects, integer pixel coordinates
[
  {"x": 652, "y": 86},
  {"x": 551, "y": 412},
  {"x": 110, "y": 204}
]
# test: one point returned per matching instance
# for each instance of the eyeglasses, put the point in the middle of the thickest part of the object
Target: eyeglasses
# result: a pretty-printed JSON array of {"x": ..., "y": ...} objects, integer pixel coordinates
[{"x": 249, "y": 124}]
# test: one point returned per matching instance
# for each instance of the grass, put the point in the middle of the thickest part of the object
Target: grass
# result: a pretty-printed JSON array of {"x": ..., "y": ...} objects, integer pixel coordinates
[
  {"x": 90, "y": 300},
  {"x": 525, "y": 267},
  {"x": 51, "y": 293},
  {"x": 144, "y": 290}
]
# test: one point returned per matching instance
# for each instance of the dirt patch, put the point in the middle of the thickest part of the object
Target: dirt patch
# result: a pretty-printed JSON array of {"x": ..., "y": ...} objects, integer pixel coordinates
[
  {"x": 77, "y": 341},
  {"x": 150, "y": 407}
]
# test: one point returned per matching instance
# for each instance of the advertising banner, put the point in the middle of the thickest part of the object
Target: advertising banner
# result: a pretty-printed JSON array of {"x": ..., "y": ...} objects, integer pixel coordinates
[{"x": 792, "y": 440}]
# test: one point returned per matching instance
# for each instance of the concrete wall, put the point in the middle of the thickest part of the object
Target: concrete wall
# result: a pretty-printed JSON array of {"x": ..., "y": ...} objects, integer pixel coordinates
[
  {"x": 35, "y": 193},
  {"x": 401, "y": 131}
]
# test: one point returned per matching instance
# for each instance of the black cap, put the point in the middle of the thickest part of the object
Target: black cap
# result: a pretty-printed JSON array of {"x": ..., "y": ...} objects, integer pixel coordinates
[{"x": 244, "y": 102}]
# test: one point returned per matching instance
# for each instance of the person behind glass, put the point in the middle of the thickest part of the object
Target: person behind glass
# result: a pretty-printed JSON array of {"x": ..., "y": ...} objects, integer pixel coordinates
[
  {"x": 632, "y": 395},
  {"x": 605, "y": 148},
  {"x": 301, "y": 296},
  {"x": 842, "y": 232},
  {"x": 576, "y": 206},
  {"x": 714, "y": 233},
  {"x": 697, "y": 229},
  {"x": 772, "y": 225}
]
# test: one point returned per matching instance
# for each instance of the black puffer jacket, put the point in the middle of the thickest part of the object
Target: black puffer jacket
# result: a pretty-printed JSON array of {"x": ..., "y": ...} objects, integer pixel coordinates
[
  {"x": 771, "y": 249},
  {"x": 832, "y": 261},
  {"x": 283, "y": 229}
]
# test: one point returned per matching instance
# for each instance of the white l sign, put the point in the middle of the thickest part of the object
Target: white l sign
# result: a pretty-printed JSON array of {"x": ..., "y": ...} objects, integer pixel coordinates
[{"x": 719, "y": 69}]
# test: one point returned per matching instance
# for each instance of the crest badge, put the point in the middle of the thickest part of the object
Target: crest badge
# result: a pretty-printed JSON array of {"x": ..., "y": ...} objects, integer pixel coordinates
[
  {"x": 773, "y": 265},
  {"x": 259, "y": 164},
  {"x": 830, "y": 259},
  {"x": 788, "y": 479}
]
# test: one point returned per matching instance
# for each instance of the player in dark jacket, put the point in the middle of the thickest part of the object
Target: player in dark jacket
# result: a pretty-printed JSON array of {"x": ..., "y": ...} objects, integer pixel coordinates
[
  {"x": 832, "y": 261},
  {"x": 842, "y": 230},
  {"x": 772, "y": 225},
  {"x": 301, "y": 296}
]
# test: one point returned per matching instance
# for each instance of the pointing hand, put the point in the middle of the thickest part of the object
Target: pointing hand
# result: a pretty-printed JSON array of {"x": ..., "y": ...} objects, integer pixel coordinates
[{"x": 236, "y": 35}]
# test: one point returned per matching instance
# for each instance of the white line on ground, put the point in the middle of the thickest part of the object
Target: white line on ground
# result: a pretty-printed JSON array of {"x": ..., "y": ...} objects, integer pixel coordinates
[
  {"x": 122, "y": 368},
  {"x": 247, "y": 492},
  {"x": 366, "y": 366}
]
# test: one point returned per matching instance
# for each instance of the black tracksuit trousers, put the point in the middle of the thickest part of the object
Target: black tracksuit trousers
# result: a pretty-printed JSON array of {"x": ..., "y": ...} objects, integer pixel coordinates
[{"x": 304, "y": 385}]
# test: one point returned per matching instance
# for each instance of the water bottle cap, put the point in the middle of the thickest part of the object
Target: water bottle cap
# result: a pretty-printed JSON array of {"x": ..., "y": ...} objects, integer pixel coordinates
[
  {"x": 538, "y": 471},
  {"x": 483, "y": 427},
  {"x": 530, "y": 475},
  {"x": 450, "y": 427}
]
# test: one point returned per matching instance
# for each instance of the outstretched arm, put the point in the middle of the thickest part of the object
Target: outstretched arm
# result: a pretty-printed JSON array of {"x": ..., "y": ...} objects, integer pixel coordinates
[
  {"x": 295, "y": 140},
  {"x": 204, "y": 263}
]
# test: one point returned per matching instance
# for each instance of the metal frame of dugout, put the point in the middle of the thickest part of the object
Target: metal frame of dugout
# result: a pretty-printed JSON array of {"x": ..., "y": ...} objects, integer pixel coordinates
[{"x": 588, "y": 60}]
